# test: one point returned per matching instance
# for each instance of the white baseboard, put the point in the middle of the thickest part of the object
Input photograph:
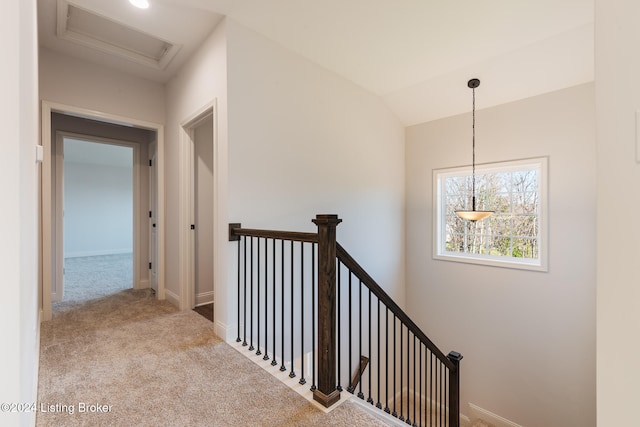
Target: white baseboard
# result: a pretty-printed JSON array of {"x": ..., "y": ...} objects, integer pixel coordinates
[
  {"x": 388, "y": 419},
  {"x": 227, "y": 333},
  {"x": 55, "y": 297},
  {"x": 36, "y": 368},
  {"x": 476, "y": 412},
  {"x": 204, "y": 298},
  {"x": 293, "y": 383},
  {"x": 425, "y": 401},
  {"x": 142, "y": 284},
  {"x": 172, "y": 298}
]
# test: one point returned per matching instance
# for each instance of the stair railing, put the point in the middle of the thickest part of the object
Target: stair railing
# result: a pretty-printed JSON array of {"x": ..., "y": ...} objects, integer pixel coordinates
[{"x": 306, "y": 304}]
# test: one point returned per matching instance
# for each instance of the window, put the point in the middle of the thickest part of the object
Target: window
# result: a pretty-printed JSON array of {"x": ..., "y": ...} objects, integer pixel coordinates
[{"x": 515, "y": 235}]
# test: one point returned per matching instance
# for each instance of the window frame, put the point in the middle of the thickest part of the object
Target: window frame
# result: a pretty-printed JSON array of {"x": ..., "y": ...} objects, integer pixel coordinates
[{"x": 439, "y": 215}]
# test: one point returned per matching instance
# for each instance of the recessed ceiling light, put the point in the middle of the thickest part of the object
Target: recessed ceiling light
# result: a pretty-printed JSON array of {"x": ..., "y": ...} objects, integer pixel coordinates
[{"x": 142, "y": 4}]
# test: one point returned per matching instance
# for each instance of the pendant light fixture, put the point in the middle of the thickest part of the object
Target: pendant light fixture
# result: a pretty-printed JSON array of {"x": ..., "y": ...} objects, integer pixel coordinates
[{"x": 473, "y": 214}]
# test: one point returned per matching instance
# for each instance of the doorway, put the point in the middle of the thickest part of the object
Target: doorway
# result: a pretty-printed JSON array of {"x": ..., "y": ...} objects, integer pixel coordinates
[
  {"x": 202, "y": 212},
  {"x": 59, "y": 118},
  {"x": 96, "y": 183},
  {"x": 200, "y": 177}
]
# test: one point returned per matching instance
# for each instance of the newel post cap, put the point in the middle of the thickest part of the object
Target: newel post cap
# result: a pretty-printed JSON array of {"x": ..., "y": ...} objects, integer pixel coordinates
[
  {"x": 454, "y": 356},
  {"x": 330, "y": 219}
]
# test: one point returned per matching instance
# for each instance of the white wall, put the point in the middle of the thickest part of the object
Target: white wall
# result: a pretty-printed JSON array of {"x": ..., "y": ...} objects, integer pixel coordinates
[
  {"x": 528, "y": 338},
  {"x": 305, "y": 141},
  {"x": 98, "y": 204},
  {"x": 618, "y": 100},
  {"x": 301, "y": 141},
  {"x": 18, "y": 216},
  {"x": 71, "y": 81},
  {"x": 201, "y": 81}
]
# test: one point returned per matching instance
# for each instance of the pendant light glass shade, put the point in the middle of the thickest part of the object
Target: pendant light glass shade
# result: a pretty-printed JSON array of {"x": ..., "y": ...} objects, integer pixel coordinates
[{"x": 473, "y": 215}]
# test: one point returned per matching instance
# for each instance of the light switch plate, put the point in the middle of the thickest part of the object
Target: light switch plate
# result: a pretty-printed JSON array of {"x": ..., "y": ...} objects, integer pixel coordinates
[
  {"x": 39, "y": 153},
  {"x": 638, "y": 136}
]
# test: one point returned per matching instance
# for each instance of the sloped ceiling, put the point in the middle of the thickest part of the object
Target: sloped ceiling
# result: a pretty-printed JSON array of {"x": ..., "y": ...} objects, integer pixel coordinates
[{"x": 417, "y": 55}]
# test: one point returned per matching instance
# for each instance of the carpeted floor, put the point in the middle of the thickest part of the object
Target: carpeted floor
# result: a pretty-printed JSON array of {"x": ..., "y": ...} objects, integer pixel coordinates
[
  {"x": 114, "y": 356},
  {"x": 88, "y": 278},
  {"x": 142, "y": 362}
]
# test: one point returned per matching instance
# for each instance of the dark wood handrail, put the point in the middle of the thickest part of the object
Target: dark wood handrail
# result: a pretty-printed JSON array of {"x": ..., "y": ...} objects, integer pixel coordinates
[
  {"x": 370, "y": 283},
  {"x": 235, "y": 231}
]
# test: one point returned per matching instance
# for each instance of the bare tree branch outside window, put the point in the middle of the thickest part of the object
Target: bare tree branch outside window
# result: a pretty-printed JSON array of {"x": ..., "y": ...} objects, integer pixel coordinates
[{"x": 513, "y": 193}]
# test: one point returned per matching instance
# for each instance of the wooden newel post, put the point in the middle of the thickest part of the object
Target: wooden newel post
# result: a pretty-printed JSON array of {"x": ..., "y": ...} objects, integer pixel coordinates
[
  {"x": 327, "y": 393},
  {"x": 454, "y": 389}
]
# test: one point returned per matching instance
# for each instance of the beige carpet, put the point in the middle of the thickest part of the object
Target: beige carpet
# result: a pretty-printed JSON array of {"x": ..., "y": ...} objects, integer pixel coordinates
[
  {"x": 146, "y": 364},
  {"x": 87, "y": 278}
]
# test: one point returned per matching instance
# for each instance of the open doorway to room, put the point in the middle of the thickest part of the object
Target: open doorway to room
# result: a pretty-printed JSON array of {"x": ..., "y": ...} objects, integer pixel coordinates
[
  {"x": 102, "y": 201},
  {"x": 96, "y": 182},
  {"x": 200, "y": 134}
]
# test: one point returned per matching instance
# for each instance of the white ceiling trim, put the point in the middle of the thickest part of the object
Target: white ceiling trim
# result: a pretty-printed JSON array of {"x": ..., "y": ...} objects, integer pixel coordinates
[{"x": 107, "y": 42}]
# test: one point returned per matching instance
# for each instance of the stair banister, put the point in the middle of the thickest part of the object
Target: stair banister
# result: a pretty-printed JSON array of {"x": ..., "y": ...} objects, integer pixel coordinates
[
  {"x": 326, "y": 393},
  {"x": 441, "y": 400}
]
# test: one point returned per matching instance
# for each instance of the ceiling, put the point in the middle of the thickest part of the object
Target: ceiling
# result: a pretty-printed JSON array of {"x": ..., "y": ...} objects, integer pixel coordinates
[
  {"x": 417, "y": 55},
  {"x": 183, "y": 26}
]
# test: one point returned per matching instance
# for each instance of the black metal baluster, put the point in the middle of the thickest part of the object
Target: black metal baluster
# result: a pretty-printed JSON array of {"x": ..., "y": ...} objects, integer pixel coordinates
[
  {"x": 350, "y": 386},
  {"x": 274, "y": 361},
  {"x": 386, "y": 359},
  {"x": 411, "y": 386},
  {"x": 414, "y": 379},
  {"x": 438, "y": 392},
  {"x": 338, "y": 311},
  {"x": 378, "y": 405},
  {"x": 446, "y": 390},
  {"x": 441, "y": 400},
  {"x": 370, "y": 399},
  {"x": 244, "y": 262},
  {"x": 313, "y": 317},
  {"x": 266, "y": 299},
  {"x": 401, "y": 373},
  {"x": 282, "y": 367},
  {"x": 408, "y": 420},
  {"x": 258, "y": 352},
  {"x": 420, "y": 394},
  {"x": 431, "y": 414},
  {"x": 292, "y": 374},
  {"x": 238, "y": 339},
  {"x": 360, "y": 394},
  {"x": 302, "y": 367},
  {"x": 251, "y": 347},
  {"x": 395, "y": 340}
]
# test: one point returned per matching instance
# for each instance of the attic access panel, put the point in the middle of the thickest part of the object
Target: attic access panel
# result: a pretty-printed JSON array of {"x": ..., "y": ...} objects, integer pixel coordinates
[{"x": 98, "y": 32}]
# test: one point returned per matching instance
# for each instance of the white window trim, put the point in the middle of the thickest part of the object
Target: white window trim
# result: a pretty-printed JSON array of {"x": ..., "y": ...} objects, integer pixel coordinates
[{"x": 439, "y": 213}]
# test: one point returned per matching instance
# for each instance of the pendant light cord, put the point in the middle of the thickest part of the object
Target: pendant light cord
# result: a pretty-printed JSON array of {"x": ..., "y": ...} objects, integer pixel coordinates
[{"x": 473, "y": 151}]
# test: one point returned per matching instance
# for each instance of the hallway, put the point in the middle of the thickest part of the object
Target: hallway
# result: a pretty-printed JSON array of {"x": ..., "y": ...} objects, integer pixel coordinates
[{"x": 141, "y": 361}]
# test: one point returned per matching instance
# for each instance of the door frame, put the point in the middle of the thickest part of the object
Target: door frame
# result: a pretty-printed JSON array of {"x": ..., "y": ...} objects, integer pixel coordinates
[
  {"x": 48, "y": 236},
  {"x": 152, "y": 222},
  {"x": 59, "y": 203},
  {"x": 187, "y": 214}
]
